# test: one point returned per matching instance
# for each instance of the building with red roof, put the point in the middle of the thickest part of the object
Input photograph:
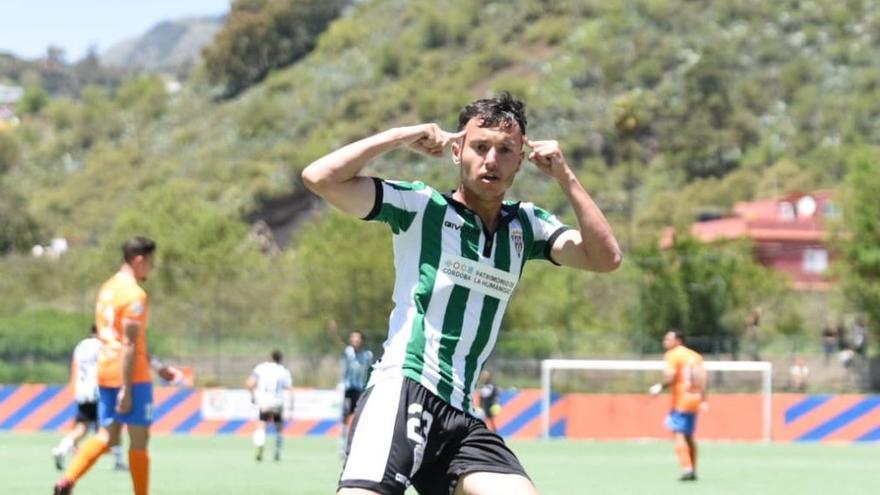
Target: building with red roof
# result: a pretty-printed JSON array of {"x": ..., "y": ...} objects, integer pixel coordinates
[{"x": 789, "y": 234}]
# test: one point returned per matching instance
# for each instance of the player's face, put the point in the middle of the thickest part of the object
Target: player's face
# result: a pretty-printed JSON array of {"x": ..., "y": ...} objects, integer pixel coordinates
[
  {"x": 143, "y": 266},
  {"x": 490, "y": 158},
  {"x": 355, "y": 340},
  {"x": 669, "y": 340}
]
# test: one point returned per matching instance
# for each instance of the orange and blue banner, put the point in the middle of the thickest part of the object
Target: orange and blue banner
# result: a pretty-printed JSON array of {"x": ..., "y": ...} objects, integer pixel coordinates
[{"x": 795, "y": 417}]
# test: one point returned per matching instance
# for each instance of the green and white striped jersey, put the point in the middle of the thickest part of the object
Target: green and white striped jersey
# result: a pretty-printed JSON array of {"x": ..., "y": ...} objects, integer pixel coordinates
[{"x": 453, "y": 283}]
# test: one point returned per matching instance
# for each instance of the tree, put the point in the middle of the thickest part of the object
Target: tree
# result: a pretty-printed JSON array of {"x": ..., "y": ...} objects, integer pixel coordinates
[
  {"x": 18, "y": 230},
  {"x": 34, "y": 100},
  {"x": 206, "y": 267},
  {"x": 704, "y": 137},
  {"x": 261, "y": 35},
  {"x": 696, "y": 288},
  {"x": 144, "y": 95},
  {"x": 861, "y": 249},
  {"x": 352, "y": 286}
]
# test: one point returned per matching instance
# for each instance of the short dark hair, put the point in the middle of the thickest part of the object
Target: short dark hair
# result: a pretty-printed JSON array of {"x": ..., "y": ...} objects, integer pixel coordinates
[
  {"x": 137, "y": 246},
  {"x": 678, "y": 334},
  {"x": 277, "y": 356},
  {"x": 94, "y": 329},
  {"x": 503, "y": 110},
  {"x": 359, "y": 333}
]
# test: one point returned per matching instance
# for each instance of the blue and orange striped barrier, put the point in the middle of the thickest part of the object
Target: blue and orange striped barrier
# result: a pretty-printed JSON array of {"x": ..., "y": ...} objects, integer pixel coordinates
[
  {"x": 829, "y": 418},
  {"x": 796, "y": 417}
]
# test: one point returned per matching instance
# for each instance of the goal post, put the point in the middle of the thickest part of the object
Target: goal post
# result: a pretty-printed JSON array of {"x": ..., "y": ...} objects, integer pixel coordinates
[{"x": 765, "y": 368}]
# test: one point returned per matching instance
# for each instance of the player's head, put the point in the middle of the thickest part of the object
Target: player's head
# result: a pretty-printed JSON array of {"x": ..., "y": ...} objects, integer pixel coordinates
[
  {"x": 491, "y": 152},
  {"x": 137, "y": 253},
  {"x": 486, "y": 375},
  {"x": 673, "y": 338},
  {"x": 277, "y": 356},
  {"x": 356, "y": 339}
]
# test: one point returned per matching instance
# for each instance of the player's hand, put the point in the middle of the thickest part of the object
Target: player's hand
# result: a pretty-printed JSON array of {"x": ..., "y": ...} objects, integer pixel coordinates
[
  {"x": 123, "y": 401},
  {"x": 704, "y": 406},
  {"x": 656, "y": 388},
  {"x": 170, "y": 374},
  {"x": 547, "y": 156},
  {"x": 431, "y": 140}
]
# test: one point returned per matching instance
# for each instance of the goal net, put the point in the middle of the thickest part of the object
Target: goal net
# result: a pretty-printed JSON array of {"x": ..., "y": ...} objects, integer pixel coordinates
[{"x": 610, "y": 399}]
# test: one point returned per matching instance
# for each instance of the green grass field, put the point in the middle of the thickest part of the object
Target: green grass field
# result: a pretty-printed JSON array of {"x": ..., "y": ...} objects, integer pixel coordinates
[{"x": 223, "y": 465}]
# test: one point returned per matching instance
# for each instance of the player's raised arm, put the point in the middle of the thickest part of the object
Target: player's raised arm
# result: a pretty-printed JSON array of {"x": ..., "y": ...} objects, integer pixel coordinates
[
  {"x": 335, "y": 176},
  {"x": 333, "y": 332},
  {"x": 593, "y": 246}
]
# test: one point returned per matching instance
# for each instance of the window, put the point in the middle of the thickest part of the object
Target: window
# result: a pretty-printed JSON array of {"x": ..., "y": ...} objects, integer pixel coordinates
[
  {"x": 815, "y": 260},
  {"x": 786, "y": 211}
]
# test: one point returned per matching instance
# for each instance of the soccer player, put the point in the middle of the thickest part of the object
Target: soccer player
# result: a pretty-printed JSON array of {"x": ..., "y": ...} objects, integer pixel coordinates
[
  {"x": 458, "y": 257},
  {"x": 687, "y": 378},
  {"x": 124, "y": 381},
  {"x": 267, "y": 385},
  {"x": 356, "y": 365},
  {"x": 84, "y": 381},
  {"x": 489, "y": 399}
]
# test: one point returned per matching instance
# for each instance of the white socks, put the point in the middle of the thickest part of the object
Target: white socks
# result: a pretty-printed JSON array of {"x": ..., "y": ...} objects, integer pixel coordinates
[
  {"x": 259, "y": 438},
  {"x": 64, "y": 446}
]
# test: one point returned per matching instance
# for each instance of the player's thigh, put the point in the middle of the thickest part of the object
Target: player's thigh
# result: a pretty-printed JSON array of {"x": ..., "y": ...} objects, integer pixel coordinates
[
  {"x": 484, "y": 451},
  {"x": 141, "y": 412},
  {"x": 350, "y": 403},
  {"x": 140, "y": 416},
  {"x": 485, "y": 483},
  {"x": 387, "y": 439},
  {"x": 79, "y": 429},
  {"x": 107, "y": 405}
]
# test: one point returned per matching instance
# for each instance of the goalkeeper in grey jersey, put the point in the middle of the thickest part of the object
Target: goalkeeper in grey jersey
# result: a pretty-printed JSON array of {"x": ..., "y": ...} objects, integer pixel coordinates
[{"x": 357, "y": 363}]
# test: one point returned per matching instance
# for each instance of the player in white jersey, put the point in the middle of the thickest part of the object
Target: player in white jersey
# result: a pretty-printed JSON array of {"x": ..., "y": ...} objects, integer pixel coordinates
[
  {"x": 84, "y": 382},
  {"x": 268, "y": 384},
  {"x": 458, "y": 258}
]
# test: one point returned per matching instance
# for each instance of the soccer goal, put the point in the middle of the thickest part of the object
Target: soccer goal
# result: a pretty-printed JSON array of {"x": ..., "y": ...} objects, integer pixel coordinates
[{"x": 765, "y": 369}]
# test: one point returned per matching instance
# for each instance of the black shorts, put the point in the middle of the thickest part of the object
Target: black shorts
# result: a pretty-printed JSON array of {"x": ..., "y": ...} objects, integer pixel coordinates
[
  {"x": 86, "y": 412},
  {"x": 350, "y": 401},
  {"x": 271, "y": 415},
  {"x": 403, "y": 434}
]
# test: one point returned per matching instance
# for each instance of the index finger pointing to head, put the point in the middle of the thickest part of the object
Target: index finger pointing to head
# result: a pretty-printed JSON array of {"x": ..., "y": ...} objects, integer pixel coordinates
[
  {"x": 528, "y": 142},
  {"x": 458, "y": 135}
]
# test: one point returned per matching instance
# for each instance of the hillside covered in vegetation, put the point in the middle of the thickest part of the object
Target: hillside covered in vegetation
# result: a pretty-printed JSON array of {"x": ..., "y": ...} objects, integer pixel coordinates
[{"x": 667, "y": 109}]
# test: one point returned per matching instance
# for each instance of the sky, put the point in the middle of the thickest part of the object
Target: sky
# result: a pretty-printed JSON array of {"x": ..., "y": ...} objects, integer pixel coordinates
[{"x": 27, "y": 27}]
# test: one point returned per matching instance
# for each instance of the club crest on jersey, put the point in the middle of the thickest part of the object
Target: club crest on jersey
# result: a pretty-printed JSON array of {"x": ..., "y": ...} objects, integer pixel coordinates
[
  {"x": 137, "y": 308},
  {"x": 517, "y": 236}
]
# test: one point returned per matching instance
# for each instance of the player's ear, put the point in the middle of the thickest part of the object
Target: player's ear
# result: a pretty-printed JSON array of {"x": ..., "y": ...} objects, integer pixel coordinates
[{"x": 456, "y": 152}]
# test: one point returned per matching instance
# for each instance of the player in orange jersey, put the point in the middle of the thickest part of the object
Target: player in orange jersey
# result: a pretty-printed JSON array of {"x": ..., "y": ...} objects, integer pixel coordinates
[
  {"x": 687, "y": 378},
  {"x": 124, "y": 379}
]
